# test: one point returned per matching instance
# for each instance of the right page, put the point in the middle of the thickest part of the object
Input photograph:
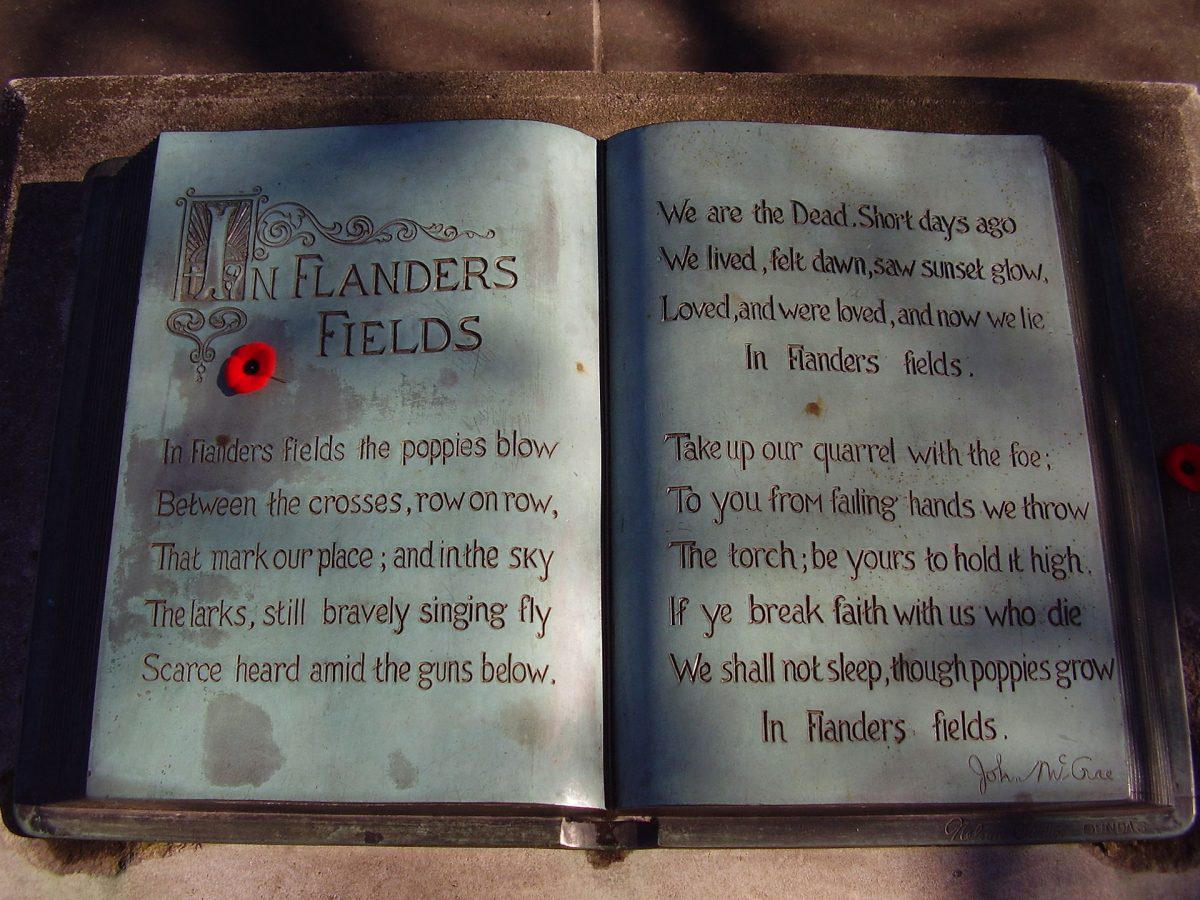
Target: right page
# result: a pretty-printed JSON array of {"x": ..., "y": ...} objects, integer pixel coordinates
[{"x": 856, "y": 551}]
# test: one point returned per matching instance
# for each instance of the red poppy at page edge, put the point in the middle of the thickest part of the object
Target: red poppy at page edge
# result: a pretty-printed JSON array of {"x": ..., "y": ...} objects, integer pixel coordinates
[
  {"x": 1182, "y": 463},
  {"x": 250, "y": 367}
]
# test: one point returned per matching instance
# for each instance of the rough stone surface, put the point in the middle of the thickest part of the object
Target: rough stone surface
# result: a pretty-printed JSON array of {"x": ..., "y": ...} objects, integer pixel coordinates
[
  {"x": 1122, "y": 39},
  {"x": 160, "y": 37},
  {"x": 1025, "y": 38},
  {"x": 1140, "y": 140}
]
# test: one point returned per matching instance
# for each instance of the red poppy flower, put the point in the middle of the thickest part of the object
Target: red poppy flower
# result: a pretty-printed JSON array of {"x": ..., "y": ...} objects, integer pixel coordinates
[
  {"x": 250, "y": 367},
  {"x": 1183, "y": 464}
]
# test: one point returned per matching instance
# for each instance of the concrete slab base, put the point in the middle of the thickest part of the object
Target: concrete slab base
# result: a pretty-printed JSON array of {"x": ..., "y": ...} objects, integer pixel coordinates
[{"x": 1140, "y": 140}]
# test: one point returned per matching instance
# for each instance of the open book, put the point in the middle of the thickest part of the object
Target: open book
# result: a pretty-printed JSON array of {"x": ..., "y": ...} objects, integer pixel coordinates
[{"x": 717, "y": 469}]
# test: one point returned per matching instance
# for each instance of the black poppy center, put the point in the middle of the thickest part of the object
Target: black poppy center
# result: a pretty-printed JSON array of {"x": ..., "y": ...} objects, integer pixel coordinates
[
  {"x": 1187, "y": 467},
  {"x": 251, "y": 367}
]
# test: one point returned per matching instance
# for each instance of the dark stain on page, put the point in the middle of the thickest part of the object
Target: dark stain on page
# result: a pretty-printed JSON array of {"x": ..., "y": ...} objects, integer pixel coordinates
[
  {"x": 526, "y": 724},
  {"x": 403, "y": 773},
  {"x": 220, "y": 442},
  {"x": 239, "y": 743}
]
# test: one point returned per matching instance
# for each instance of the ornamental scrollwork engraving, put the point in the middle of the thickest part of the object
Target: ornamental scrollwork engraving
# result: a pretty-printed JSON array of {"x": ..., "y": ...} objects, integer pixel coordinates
[
  {"x": 188, "y": 322},
  {"x": 282, "y": 223}
]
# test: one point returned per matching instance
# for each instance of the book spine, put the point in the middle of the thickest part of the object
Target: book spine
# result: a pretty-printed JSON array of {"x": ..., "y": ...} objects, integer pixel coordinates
[{"x": 53, "y": 756}]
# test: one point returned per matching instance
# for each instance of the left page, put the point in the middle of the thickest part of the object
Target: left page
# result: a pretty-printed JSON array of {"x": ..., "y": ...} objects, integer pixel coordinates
[{"x": 356, "y": 551}]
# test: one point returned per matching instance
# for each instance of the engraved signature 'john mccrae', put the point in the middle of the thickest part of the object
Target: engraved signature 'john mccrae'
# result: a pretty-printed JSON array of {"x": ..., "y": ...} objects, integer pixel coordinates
[{"x": 1063, "y": 768}]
